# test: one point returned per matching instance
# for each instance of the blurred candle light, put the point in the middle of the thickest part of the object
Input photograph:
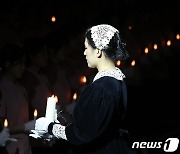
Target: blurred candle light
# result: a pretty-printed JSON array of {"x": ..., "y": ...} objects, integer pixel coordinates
[
  {"x": 155, "y": 47},
  {"x": 146, "y": 50},
  {"x": 177, "y": 36},
  {"x": 133, "y": 63},
  {"x": 118, "y": 62},
  {"x": 75, "y": 96},
  {"x": 35, "y": 113},
  {"x": 5, "y": 123},
  {"x": 83, "y": 79},
  {"x": 130, "y": 27},
  {"x": 53, "y": 19},
  {"x": 168, "y": 43}
]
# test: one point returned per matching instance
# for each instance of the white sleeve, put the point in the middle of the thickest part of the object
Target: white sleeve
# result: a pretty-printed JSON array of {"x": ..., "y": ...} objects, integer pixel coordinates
[{"x": 59, "y": 131}]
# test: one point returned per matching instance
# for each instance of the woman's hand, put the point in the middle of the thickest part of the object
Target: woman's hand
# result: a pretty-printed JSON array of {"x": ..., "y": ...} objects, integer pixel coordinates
[
  {"x": 41, "y": 127},
  {"x": 30, "y": 125},
  {"x": 42, "y": 124}
]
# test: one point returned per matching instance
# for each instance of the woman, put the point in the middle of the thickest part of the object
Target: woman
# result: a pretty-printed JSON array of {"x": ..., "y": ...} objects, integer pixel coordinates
[{"x": 100, "y": 109}]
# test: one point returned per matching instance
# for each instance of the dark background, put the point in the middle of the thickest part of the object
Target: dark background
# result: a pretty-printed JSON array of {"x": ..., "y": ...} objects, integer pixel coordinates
[{"x": 153, "y": 83}]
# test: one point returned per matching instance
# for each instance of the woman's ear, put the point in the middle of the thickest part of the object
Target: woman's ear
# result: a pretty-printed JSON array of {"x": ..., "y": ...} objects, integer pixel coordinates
[{"x": 98, "y": 53}]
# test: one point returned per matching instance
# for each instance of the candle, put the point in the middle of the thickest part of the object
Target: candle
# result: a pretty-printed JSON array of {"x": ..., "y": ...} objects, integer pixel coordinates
[
  {"x": 5, "y": 126},
  {"x": 75, "y": 96},
  {"x": 83, "y": 79},
  {"x": 35, "y": 114},
  {"x": 5, "y": 123},
  {"x": 51, "y": 107},
  {"x": 55, "y": 115}
]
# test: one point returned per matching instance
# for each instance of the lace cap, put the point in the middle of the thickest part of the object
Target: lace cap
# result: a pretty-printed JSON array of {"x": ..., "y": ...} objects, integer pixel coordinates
[{"x": 102, "y": 34}]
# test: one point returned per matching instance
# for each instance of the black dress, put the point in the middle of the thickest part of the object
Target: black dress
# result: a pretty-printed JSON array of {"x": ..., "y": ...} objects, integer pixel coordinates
[{"x": 98, "y": 117}]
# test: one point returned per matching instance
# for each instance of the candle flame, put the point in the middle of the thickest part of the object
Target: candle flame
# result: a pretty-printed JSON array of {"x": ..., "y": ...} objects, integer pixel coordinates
[
  {"x": 53, "y": 99},
  {"x": 168, "y": 43},
  {"x": 130, "y": 27},
  {"x": 146, "y": 50},
  {"x": 177, "y": 36},
  {"x": 155, "y": 46},
  {"x": 75, "y": 96},
  {"x": 133, "y": 63},
  {"x": 83, "y": 79},
  {"x": 5, "y": 123},
  {"x": 56, "y": 99},
  {"x": 53, "y": 18},
  {"x": 118, "y": 63},
  {"x": 35, "y": 113}
]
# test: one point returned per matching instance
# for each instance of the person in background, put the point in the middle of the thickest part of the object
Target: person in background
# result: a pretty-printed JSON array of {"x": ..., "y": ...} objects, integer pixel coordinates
[
  {"x": 56, "y": 69},
  {"x": 35, "y": 82},
  {"x": 13, "y": 101}
]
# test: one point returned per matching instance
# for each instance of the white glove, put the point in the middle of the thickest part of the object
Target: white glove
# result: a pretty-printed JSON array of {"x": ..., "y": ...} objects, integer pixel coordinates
[
  {"x": 41, "y": 127},
  {"x": 4, "y": 136},
  {"x": 36, "y": 134},
  {"x": 42, "y": 124},
  {"x": 30, "y": 125}
]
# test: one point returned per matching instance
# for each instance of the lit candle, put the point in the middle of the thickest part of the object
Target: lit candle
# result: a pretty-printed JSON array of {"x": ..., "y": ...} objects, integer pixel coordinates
[
  {"x": 83, "y": 79},
  {"x": 5, "y": 123},
  {"x": 35, "y": 114},
  {"x": 5, "y": 126},
  {"x": 55, "y": 114},
  {"x": 118, "y": 63},
  {"x": 75, "y": 96},
  {"x": 133, "y": 63},
  {"x": 51, "y": 108},
  {"x": 53, "y": 18}
]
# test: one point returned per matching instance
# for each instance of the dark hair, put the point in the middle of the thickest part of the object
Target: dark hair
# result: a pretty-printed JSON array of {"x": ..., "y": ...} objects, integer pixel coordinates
[
  {"x": 115, "y": 50},
  {"x": 10, "y": 55}
]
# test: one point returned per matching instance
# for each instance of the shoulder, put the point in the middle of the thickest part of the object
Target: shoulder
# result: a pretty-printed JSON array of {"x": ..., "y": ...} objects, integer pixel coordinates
[
  {"x": 108, "y": 83},
  {"x": 103, "y": 86}
]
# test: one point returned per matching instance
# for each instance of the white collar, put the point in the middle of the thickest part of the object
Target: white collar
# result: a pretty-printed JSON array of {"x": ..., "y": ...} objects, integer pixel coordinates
[{"x": 115, "y": 73}]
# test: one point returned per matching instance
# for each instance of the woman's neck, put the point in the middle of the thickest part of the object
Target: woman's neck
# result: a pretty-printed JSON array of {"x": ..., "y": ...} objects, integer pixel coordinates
[{"x": 106, "y": 65}]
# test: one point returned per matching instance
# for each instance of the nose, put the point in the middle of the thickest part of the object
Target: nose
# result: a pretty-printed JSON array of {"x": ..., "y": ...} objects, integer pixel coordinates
[{"x": 84, "y": 52}]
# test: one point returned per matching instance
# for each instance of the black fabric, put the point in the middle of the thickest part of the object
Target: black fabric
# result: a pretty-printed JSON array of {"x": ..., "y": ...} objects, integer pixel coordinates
[
  {"x": 50, "y": 127},
  {"x": 98, "y": 116}
]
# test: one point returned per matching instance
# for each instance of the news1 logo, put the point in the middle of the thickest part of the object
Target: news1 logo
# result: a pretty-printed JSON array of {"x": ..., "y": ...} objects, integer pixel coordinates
[{"x": 170, "y": 145}]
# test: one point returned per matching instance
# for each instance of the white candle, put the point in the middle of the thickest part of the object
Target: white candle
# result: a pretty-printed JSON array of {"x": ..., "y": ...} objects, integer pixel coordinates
[
  {"x": 55, "y": 115},
  {"x": 50, "y": 108}
]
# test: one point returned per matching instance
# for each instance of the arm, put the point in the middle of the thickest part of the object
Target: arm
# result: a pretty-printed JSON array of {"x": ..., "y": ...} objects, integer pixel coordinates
[
  {"x": 92, "y": 114},
  {"x": 57, "y": 130},
  {"x": 24, "y": 128},
  {"x": 16, "y": 129}
]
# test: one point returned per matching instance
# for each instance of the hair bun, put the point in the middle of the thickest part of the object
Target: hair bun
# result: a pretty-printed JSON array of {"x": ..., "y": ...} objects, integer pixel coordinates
[{"x": 121, "y": 53}]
